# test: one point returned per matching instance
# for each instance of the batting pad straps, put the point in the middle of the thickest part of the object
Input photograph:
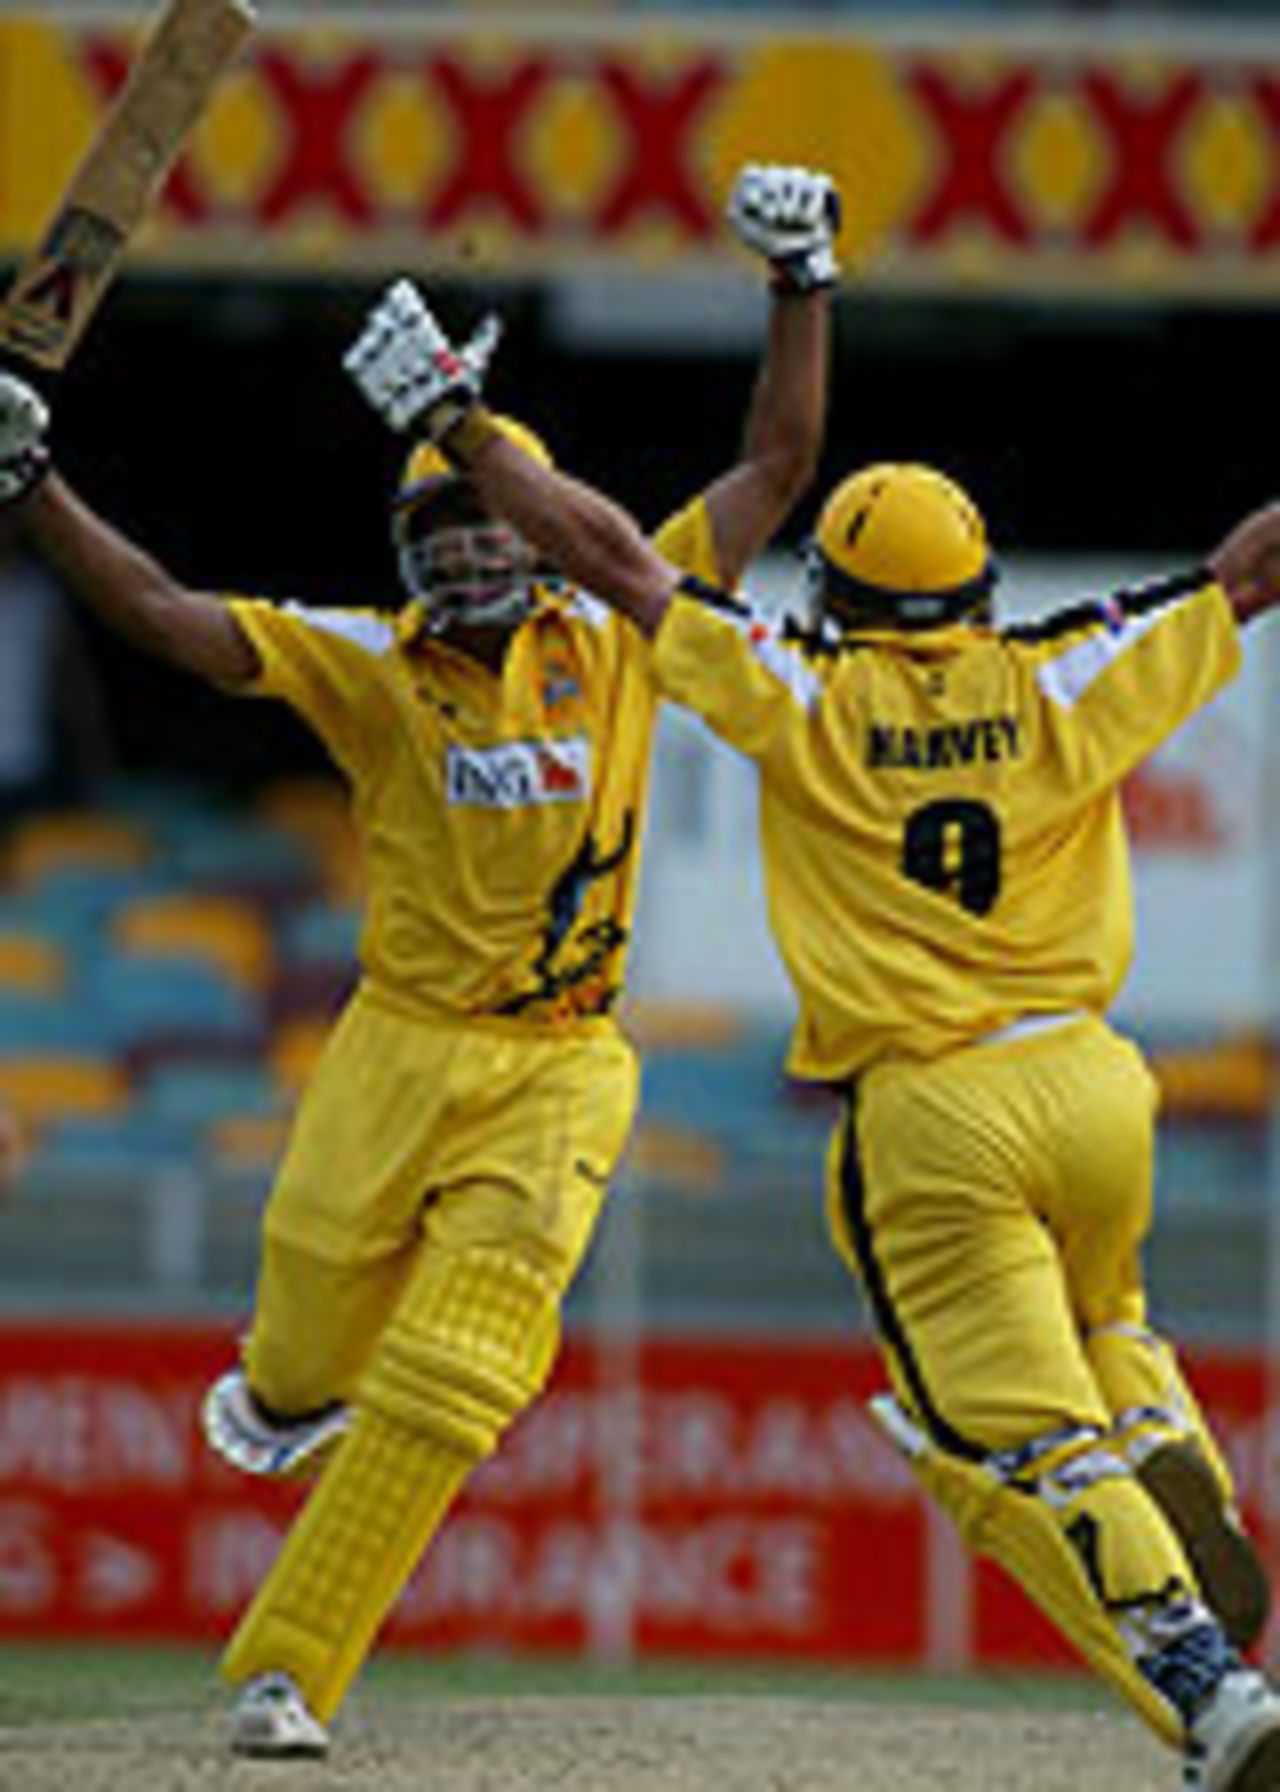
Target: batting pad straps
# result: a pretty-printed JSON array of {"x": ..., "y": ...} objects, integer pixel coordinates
[
  {"x": 1081, "y": 1538},
  {"x": 471, "y": 1345}
]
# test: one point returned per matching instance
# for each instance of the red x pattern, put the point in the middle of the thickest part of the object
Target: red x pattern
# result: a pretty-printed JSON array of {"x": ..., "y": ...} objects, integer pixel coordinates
[{"x": 663, "y": 122}]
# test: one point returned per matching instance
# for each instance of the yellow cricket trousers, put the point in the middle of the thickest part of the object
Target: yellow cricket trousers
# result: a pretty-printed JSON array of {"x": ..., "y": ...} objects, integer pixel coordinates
[
  {"x": 994, "y": 1203},
  {"x": 416, "y": 1133}
]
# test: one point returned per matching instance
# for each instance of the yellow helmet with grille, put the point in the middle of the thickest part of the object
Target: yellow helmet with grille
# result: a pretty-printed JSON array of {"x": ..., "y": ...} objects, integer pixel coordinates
[
  {"x": 459, "y": 564},
  {"x": 900, "y": 545},
  {"x": 427, "y": 473}
]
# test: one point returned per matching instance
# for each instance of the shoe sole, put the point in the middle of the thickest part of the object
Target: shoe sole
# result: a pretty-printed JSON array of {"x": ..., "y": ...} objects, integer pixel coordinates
[
  {"x": 1260, "y": 1769},
  {"x": 1226, "y": 1564},
  {"x": 260, "y": 1739}
]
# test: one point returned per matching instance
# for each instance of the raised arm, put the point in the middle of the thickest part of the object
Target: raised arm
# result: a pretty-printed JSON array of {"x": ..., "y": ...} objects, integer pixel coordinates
[
  {"x": 789, "y": 216},
  {"x": 416, "y": 380},
  {"x": 1247, "y": 563},
  {"x": 125, "y": 587},
  {"x": 589, "y": 537}
]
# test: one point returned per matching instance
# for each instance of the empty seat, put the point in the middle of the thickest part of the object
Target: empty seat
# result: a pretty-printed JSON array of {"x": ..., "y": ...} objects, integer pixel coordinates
[
  {"x": 316, "y": 812},
  {"x": 320, "y": 934},
  {"x": 44, "y": 1087},
  {"x": 31, "y": 963},
  {"x": 294, "y": 1051},
  {"x": 225, "y": 930},
  {"x": 74, "y": 839},
  {"x": 202, "y": 1091},
  {"x": 135, "y": 997}
]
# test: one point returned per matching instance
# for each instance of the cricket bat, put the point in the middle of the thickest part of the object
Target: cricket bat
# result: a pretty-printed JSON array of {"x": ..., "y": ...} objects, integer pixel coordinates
[{"x": 59, "y": 285}]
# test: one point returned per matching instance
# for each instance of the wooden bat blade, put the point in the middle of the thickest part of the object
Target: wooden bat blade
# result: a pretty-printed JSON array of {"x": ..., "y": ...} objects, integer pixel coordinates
[{"x": 171, "y": 83}]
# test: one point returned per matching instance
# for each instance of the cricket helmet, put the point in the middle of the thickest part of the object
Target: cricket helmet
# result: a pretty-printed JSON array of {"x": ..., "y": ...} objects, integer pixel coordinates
[
  {"x": 900, "y": 546},
  {"x": 456, "y": 561}
]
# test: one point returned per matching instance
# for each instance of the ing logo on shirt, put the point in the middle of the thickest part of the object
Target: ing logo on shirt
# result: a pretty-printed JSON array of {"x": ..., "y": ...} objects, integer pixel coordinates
[{"x": 519, "y": 774}]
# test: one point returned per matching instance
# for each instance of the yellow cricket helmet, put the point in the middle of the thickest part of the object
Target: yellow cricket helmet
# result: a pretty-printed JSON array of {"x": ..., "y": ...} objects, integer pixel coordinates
[
  {"x": 900, "y": 545},
  {"x": 459, "y": 564},
  {"x": 427, "y": 473}
]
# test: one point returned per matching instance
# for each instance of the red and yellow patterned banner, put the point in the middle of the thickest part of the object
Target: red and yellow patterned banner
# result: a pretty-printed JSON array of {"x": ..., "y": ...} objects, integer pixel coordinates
[{"x": 1060, "y": 163}]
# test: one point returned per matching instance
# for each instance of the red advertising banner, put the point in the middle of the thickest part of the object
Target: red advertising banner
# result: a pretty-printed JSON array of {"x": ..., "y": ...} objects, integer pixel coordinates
[
  {"x": 702, "y": 1497},
  {"x": 1056, "y": 159}
]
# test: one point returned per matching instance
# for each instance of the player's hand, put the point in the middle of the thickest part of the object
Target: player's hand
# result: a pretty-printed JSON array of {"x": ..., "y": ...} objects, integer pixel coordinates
[
  {"x": 24, "y": 448},
  {"x": 791, "y": 217},
  {"x": 1247, "y": 563},
  {"x": 477, "y": 352},
  {"x": 408, "y": 369},
  {"x": 12, "y": 1150}
]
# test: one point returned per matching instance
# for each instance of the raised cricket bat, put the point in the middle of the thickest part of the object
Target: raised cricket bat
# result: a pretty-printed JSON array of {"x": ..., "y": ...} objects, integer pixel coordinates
[{"x": 58, "y": 287}]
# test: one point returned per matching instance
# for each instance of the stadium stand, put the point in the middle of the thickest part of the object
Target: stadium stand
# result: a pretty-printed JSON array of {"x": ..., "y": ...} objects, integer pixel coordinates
[{"x": 169, "y": 967}]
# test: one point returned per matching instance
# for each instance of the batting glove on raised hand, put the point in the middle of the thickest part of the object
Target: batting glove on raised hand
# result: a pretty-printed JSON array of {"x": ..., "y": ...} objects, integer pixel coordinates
[
  {"x": 790, "y": 216},
  {"x": 408, "y": 369},
  {"x": 24, "y": 450}
]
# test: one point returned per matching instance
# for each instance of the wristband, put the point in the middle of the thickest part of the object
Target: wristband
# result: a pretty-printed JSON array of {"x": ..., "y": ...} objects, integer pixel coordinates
[
  {"x": 808, "y": 271},
  {"x": 23, "y": 475},
  {"x": 462, "y": 437}
]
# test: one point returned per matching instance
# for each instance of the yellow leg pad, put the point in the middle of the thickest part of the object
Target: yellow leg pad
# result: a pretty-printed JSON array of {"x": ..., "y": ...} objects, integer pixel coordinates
[
  {"x": 1029, "y": 1540},
  {"x": 355, "y": 1544},
  {"x": 1147, "y": 1396},
  {"x": 471, "y": 1345}
]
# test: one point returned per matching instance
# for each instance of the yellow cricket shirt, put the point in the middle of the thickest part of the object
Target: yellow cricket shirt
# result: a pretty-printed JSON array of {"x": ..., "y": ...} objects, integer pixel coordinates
[
  {"x": 943, "y": 840},
  {"x": 499, "y": 816}
]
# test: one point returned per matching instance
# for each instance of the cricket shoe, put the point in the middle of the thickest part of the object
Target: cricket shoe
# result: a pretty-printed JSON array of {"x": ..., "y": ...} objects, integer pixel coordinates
[
  {"x": 251, "y": 1440},
  {"x": 270, "y": 1719},
  {"x": 1228, "y": 1568},
  {"x": 1234, "y": 1745}
]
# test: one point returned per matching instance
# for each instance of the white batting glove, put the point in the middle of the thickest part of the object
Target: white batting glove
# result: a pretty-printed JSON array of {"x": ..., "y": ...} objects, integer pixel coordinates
[
  {"x": 480, "y": 347},
  {"x": 24, "y": 450},
  {"x": 408, "y": 369},
  {"x": 790, "y": 216}
]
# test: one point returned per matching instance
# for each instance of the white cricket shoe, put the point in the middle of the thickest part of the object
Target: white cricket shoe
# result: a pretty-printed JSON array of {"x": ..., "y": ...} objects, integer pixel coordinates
[
  {"x": 270, "y": 1719},
  {"x": 236, "y": 1427},
  {"x": 1235, "y": 1741}
]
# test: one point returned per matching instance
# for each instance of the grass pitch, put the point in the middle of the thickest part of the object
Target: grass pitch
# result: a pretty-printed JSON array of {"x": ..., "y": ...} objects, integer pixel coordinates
[
  {"x": 147, "y": 1720},
  {"x": 52, "y": 1682}
]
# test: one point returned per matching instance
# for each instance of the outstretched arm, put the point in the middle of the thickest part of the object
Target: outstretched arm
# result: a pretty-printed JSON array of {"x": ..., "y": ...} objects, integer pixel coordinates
[
  {"x": 1247, "y": 563},
  {"x": 590, "y": 538},
  {"x": 11, "y": 1150},
  {"x": 121, "y": 584}
]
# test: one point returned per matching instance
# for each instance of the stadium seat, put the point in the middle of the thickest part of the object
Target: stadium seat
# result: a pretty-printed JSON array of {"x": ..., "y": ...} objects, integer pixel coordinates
[
  {"x": 294, "y": 1051},
  {"x": 137, "y": 997},
  {"x": 31, "y": 962},
  {"x": 116, "y": 1141},
  {"x": 247, "y": 1142},
  {"x": 51, "y": 1024},
  {"x": 199, "y": 1092},
  {"x": 44, "y": 1087},
  {"x": 1224, "y": 1079},
  {"x": 316, "y": 812},
  {"x": 662, "y": 1026},
  {"x": 225, "y": 930},
  {"x": 320, "y": 933},
  {"x": 239, "y": 856},
  {"x": 75, "y": 839}
]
